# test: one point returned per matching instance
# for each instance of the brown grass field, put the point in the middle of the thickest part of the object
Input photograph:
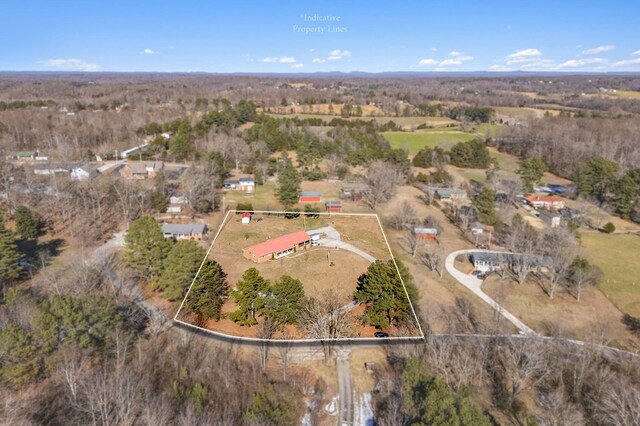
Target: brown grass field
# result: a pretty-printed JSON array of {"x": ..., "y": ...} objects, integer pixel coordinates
[{"x": 311, "y": 266}]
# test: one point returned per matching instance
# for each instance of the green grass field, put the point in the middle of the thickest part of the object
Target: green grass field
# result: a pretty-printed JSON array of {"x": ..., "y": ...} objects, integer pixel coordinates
[
  {"x": 617, "y": 256},
  {"x": 414, "y": 142}
]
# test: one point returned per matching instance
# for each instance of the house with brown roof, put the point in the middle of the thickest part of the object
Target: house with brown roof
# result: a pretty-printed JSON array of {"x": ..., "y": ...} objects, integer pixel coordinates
[
  {"x": 278, "y": 247},
  {"x": 141, "y": 169}
]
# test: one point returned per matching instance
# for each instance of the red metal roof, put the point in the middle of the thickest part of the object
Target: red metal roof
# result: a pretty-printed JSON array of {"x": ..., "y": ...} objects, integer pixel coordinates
[
  {"x": 245, "y": 214},
  {"x": 279, "y": 244}
]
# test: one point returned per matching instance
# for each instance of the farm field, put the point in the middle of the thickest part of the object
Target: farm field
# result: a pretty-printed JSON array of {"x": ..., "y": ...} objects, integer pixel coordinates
[
  {"x": 321, "y": 269},
  {"x": 414, "y": 142},
  {"x": 407, "y": 122},
  {"x": 617, "y": 256}
]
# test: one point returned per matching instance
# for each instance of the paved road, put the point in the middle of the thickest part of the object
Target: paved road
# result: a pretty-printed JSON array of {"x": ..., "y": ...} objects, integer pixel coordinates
[
  {"x": 473, "y": 284},
  {"x": 332, "y": 239},
  {"x": 346, "y": 413}
]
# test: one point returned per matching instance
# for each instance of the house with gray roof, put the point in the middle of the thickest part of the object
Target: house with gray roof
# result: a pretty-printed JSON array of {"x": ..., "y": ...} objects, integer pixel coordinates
[{"x": 184, "y": 231}]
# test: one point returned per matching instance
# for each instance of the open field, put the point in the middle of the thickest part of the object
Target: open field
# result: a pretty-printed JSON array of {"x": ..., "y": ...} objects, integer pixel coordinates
[
  {"x": 593, "y": 318},
  {"x": 414, "y": 142},
  {"x": 406, "y": 122},
  {"x": 617, "y": 256}
]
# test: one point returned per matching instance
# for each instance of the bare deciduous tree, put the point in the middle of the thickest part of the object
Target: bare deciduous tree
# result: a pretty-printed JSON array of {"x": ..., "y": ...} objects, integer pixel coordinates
[{"x": 383, "y": 180}]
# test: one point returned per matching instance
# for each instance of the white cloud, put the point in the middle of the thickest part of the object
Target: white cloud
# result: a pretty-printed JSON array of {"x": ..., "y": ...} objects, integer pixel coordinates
[
  {"x": 281, "y": 59},
  {"x": 599, "y": 49},
  {"x": 579, "y": 63},
  {"x": 450, "y": 62},
  {"x": 456, "y": 60},
  {"x": 526, "y": 53},
  {"x": 70, "y": 65},
  {"x": 635, "y": 61},
  {"x": 427, "y": 62},
  {"x": 312, "y": 50},
  {"x": 637, "y": 52},
  {"x": 499, "y": 68},
  {"x": 455, "y": 53},
  {"x": 338, "y": 54},
  {"x": 149, "y": 52},
  {"x": 297, "y": 65},
  {"x": 318, "y": 61},
  {"x": 433, "y": 49}
]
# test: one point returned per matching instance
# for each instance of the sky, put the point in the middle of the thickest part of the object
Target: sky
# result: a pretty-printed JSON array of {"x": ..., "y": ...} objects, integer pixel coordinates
[{"x": 319, "y": 36}]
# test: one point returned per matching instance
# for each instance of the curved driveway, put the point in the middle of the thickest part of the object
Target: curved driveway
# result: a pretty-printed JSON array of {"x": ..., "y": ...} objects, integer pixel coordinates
[
  {"x": 332, "y": 239},
  {"x": 473, "y": 284}
]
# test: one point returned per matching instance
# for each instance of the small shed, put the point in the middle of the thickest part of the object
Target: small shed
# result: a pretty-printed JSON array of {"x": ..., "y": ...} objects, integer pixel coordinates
[
  {"x": 425, "y": 234},
  {"x": 246, "y": 218},
  {"x": 309, "y": 197},
  {"x": 333, "y": 206}
]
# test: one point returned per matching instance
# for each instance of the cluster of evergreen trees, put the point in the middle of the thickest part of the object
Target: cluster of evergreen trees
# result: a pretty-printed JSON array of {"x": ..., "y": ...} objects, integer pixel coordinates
[
  {"x": 472, "y": 154},
  {"x": 171, "y": 266},
  {"x": 279, "y": 302},
  {"x": 600, "y": 179}
]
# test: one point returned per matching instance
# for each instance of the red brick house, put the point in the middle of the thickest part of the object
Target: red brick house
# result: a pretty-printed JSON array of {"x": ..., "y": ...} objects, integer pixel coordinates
[{"x": 277, "y": 247}]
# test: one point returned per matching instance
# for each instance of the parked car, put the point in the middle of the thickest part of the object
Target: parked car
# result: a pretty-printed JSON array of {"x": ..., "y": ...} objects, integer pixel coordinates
[{"x": 380, "y": 334}]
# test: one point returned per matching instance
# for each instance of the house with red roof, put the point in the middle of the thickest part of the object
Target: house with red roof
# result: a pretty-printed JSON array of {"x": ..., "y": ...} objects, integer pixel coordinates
[
  {"x": 278, "y": 247},
  {"x": 545, "y": 201}
]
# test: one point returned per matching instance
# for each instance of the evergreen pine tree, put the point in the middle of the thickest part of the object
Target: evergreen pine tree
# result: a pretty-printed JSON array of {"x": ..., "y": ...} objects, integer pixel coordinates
[
  {"x": 209, "y": 291},
  {"x": 180, "y": 267},
  {"x": 249, "y": 295}
]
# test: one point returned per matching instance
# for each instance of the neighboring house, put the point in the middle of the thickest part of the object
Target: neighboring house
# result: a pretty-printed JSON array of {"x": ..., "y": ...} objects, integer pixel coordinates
[
  {"x": 278, "y": 247},
  {"x": 545, "y": 201},
  {"x": 51, "y": 170},
  {"x": 84, "y": 172},
  {"x": 178, "y": 199},
  {"x": 27, "y": 155},
  {"x": 426, "y": 234},
  {"x": 141, "y": 169},
  {"x": 309, "y": 197},
  {"x": 184, "y": 231},
  {"x": 354, "y": 193},
  {"x": 477, "y": 228},
  {"x": 489, "y": 262},
  {"x": 550, "y": 218},
  {"x": 174, "y": 208},
  {"x": 245, "y": 184},
  {"x": 333, "y": 206},
  {"x": 246, "y": 218},
  {"x": 451, "y": 194}
]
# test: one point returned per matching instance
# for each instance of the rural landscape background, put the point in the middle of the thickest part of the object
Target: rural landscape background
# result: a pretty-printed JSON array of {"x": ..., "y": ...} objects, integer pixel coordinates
[{"x": 359, "y": 166}]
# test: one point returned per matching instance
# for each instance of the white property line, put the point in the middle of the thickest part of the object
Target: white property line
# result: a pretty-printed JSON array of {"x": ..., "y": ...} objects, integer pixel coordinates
[{"x": 300, "y": 341}]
